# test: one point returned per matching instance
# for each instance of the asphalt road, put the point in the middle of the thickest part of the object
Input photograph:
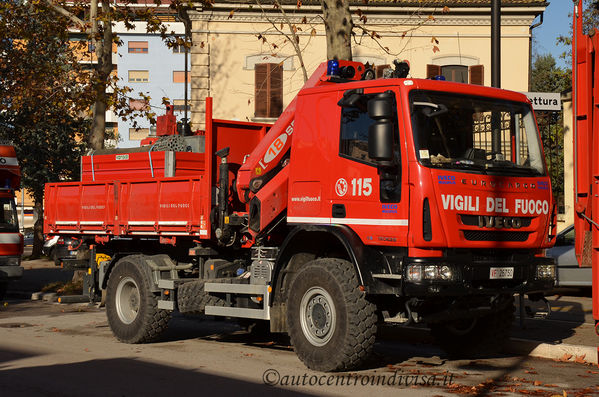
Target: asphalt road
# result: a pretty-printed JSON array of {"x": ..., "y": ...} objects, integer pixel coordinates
[{"x": 48, "y": 349}]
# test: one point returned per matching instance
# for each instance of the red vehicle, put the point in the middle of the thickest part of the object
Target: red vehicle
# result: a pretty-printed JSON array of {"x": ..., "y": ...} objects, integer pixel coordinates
[
  {"x": 11, "y": 240},
  {"x": 394, "y": 200},
  {"x": 586, "y": 148}
]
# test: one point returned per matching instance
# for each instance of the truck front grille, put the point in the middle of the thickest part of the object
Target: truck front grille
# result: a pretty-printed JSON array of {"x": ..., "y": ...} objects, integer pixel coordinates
[{"x": 495, "y": 235}]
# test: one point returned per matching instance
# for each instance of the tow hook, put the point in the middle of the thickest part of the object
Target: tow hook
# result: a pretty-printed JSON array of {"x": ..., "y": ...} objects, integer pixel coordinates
[{"x": 542, "y": 313}]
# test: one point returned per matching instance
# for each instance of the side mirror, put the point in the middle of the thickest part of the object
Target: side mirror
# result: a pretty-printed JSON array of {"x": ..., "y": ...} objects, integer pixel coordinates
[
  {"x": 380, "y": 133},
  {"x": 380, "y": 140}
]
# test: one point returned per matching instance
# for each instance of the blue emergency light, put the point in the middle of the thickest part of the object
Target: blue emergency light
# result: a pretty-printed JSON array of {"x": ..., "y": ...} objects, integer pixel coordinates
[
  {"x": 333, "y": 68},
  {"x": 439, "y": 78}
]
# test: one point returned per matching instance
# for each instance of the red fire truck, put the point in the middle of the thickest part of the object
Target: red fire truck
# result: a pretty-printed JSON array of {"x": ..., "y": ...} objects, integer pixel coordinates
[
  {"x": 11, "y": 240},
  {"x": 585, "y": 95},
  {"x": 369, "y": 200}
]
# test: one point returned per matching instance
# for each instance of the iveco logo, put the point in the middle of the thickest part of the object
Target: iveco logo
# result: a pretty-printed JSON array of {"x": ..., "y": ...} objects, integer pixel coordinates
[{"x": 499, "y": 222}]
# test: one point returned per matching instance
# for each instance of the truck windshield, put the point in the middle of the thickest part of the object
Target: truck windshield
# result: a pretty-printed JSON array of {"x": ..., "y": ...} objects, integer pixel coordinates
[
  {"x": 8, "y": 215},
  {"x": 484, "y": 135}
]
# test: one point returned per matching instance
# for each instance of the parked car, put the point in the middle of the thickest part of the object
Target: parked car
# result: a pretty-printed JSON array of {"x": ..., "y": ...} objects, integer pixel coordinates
[
  {"x": 60, "y": 248},
  {"x": 28, "y": 239},
  {"x": 569, "y": 274}
]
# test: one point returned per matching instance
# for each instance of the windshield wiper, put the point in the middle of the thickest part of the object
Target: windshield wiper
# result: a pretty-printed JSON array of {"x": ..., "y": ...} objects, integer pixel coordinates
[
  {"x": 511, "y": 167},
  {"x": 460, "y": 164}
]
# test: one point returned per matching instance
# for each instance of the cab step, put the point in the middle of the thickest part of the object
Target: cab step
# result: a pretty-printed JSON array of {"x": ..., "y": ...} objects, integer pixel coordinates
[{"x": 240, "y": 289}]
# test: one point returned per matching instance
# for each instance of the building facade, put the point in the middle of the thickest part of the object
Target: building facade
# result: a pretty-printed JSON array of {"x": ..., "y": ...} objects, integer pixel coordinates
[
  {"x": 240, "y": 58},
  {"x": 147, "y": 65}
]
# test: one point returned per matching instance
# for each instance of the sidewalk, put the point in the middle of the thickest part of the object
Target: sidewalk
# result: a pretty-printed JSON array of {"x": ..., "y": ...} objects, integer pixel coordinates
[{"x": 568, "y": 332}]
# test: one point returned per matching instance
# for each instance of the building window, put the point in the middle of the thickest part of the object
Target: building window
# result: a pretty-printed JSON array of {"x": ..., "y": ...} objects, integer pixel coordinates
[
  {"x": 179, "y": 77},
  {"x": 458, "y": 73},
  {"x": 138, "y": 104},
  {"x": 268, "y": 96},
  {"x": 179, "y": 49},
  {"x": 179, "y": 105},
  {"x": 138, "y": 47},
  {"x": 139, "y": 76},
  {"x": 137, "y": 134}
]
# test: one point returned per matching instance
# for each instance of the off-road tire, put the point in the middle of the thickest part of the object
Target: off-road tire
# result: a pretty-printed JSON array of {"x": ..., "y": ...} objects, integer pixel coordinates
[
  {"x": 148, "y": 322},
  {"x": 192, "y": 299},
  {"x": 54, "y": 256},
  {"x": 350, "y": 340},
  {"x": 485, "y": 337}
]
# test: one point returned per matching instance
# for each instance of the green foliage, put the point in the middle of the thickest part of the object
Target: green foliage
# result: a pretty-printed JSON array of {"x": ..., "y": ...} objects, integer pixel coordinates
[
  {"x": 590, "y": 21},
  {"x": 42, "y": 98},
  {"x": 548, "y": 77}
]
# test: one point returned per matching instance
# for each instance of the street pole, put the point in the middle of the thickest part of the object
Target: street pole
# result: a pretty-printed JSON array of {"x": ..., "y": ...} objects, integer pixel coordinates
[{"x": 496, "y": 43}]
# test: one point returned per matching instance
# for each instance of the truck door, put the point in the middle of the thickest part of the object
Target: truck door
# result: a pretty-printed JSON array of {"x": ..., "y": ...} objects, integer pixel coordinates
[{"x": 368, "y": 195}]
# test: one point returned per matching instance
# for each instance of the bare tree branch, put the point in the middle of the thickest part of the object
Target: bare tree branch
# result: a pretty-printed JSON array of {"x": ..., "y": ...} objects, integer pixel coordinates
[
  {"x": 293, "y": 38},
  {"x": 72, "y": 17}
]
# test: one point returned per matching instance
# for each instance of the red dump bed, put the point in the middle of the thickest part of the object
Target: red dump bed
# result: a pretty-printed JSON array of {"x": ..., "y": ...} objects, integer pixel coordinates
[
  {"x": 172, "y": 206},
  {"x": 168, "y": 194}
]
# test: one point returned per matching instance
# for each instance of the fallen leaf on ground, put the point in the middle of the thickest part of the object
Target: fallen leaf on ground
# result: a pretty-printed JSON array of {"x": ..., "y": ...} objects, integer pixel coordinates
[
  {"x": 566, "y": 357},
  {"x": 580, "y": 359}
]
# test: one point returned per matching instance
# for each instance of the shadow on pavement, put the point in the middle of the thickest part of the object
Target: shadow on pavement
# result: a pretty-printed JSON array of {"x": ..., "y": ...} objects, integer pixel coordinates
[
  {"x": 566, "y": 324},
  {"x": 123, "y": 377}
]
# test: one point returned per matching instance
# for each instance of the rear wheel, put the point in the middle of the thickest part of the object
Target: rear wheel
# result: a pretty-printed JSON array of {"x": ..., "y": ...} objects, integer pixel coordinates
[
  {"x": 331, "y": 323},
  {"x": 476, "y": 337},
  {"x": 131, "y": 306},
  {"x": 55, "y": 258}
]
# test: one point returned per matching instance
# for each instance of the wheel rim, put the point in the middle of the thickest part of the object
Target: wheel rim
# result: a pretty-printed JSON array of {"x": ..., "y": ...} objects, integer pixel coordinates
[
  {"x": 317, "y": 316},
  {"x": 127, "y": 300}
]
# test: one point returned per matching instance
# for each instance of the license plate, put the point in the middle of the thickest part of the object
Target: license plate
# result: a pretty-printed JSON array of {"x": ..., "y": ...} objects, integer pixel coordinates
[{"x": 501, "y": 272}]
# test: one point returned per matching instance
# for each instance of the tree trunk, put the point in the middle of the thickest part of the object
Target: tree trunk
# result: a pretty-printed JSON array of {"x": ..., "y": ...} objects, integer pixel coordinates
[
  {"x": 38, "y": 229},
  {"x": 338, "y": 25},
  {"x": 104, "y": 68}
]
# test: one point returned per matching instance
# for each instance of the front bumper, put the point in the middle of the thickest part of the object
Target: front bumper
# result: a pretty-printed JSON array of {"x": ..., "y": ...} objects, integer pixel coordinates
[
  {"x": 473, "y": 277},
  {"x": 10, "y": 268}
]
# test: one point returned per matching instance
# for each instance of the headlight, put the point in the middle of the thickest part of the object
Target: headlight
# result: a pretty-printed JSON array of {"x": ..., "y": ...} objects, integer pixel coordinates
[
  {"x": 414, "y": 273},
  {"x": 546, "y": 272},
  {"x": 446, "y": 273},
  {"x": 429, "y": 272},
  {"x": 10, "y": 261}
]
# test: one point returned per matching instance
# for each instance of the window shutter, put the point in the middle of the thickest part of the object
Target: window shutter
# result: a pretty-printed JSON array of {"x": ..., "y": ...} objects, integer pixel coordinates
[
  {"x": 477, "y": 74},
  {"x": 432, "y": 71},
  {"x": 268, "y": 96},
  {"x": 380, "y": 69},
  {"x": 276, "y": 90},
  {"x": 261, "y": 90}
]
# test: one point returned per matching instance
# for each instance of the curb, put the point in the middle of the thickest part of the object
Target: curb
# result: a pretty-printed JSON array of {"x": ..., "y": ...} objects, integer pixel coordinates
[{"x": 588, "y": 354}]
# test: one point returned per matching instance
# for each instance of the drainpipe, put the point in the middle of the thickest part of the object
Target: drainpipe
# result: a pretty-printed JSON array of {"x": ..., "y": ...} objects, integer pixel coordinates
[{"x": 536, "y": 25}]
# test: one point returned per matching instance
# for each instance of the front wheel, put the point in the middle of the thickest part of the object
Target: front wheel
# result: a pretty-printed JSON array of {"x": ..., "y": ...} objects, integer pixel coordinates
[
  {"x": 131, "y": 306},
  {"x": 331, "y": 323}
]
